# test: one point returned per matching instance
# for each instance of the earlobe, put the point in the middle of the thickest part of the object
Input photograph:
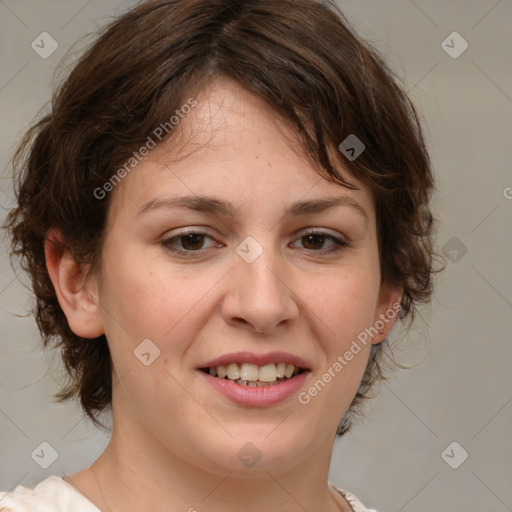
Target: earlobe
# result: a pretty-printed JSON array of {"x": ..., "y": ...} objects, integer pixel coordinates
[
  {"x": 388, "y": 311},
  {"x": 77, "y": 298}
]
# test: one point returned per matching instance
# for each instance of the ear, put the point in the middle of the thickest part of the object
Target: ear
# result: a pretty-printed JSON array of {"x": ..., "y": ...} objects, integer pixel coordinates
[
  {"x": 388, "y": 310},
  {"x": 78, "y": 299}
]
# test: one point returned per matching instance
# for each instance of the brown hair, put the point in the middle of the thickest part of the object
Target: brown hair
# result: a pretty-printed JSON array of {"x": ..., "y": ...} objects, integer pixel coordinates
[{"x": 301, "y": 57}]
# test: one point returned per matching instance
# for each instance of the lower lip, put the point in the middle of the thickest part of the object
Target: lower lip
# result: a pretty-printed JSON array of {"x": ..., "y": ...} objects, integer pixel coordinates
[{"x": 260, "y": 396}]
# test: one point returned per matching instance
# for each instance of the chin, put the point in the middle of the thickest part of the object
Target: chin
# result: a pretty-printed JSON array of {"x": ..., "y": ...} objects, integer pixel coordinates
[{"x": 253, "y": 452}]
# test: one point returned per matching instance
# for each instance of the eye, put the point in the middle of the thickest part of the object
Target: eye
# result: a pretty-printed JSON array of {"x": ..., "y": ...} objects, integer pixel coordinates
[
  {"x": 316, "y": 241},
  {"x": 189, "y": 242},
  {"x": 194, "y": 243}
]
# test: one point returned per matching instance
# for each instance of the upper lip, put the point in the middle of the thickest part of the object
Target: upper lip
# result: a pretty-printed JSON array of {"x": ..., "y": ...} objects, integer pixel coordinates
[{"x": 258, "y": 359}]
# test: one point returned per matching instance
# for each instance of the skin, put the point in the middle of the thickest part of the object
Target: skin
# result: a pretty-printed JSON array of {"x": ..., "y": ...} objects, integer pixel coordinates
[{"x": 175, "y": 440}]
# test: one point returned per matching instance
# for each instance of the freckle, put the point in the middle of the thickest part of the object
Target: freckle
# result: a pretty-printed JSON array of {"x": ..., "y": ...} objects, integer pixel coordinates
[{"x": 270, "y": 164}]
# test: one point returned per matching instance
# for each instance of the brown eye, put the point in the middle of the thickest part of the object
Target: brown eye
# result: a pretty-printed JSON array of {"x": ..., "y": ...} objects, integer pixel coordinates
[
  {"x": 321, "y": 242},
  {"x": 188, "y": 243},
  {"x": 313, "y": 241},
  {"x": 192, "y": 241}
]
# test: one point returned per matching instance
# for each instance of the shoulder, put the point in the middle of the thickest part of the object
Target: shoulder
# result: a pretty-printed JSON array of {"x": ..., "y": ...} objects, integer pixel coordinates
[
  {"x": 353, "y": 501},
  {"x": 50, "y": 495}
]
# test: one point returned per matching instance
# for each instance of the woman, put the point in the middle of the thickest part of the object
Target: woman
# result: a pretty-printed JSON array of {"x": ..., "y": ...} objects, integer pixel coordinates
[{"x": 224, "y": 215}]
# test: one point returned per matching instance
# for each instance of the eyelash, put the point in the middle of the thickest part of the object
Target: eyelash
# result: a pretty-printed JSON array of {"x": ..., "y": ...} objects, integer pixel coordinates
[{"x": 338, "y": 244}]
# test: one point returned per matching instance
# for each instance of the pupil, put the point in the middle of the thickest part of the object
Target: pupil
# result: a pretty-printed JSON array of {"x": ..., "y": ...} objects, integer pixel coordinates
[
  {"x": 310, "y": 240},
  {"x": 191, "y": 240}
]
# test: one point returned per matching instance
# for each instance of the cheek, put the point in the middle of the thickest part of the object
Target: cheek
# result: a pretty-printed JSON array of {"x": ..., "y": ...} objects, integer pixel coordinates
[
  {"x": 149, "y": 299},
  {"x": 144, "y": 300},
  {"x": 343, "y": 306},
  {"x": 344, "y": 302},
  {"x": 148, "y": 326}
]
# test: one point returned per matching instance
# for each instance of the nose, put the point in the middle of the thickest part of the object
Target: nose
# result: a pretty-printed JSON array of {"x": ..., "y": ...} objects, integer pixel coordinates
[{"x": 259, "y": 294}]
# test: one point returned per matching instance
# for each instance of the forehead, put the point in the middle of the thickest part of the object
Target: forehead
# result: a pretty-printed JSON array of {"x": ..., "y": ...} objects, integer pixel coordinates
[{"x": 233, "y": 144}]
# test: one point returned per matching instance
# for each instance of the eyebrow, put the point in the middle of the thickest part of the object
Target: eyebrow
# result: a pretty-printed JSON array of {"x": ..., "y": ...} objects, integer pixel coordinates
[{"x": 217, "y": 207}]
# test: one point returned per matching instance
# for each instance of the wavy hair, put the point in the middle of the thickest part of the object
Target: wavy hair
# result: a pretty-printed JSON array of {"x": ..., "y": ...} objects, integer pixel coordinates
[{"x": 302, "y": 58}]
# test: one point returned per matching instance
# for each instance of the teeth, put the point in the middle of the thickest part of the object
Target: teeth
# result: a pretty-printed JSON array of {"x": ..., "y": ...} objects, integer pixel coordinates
[
  {"x": 233, "y": 372},
  {"x": 253, "y": 375},
  {"x": 249, "y": 372},
  {"x": 268, "y": 373}
]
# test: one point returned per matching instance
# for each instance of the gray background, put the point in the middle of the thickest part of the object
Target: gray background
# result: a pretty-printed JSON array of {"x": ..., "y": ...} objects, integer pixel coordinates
[{"x": 460, "y": 388}]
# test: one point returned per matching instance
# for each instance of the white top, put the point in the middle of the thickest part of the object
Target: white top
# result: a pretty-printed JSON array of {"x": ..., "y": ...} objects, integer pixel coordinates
[{"x": 55, "y": 495}]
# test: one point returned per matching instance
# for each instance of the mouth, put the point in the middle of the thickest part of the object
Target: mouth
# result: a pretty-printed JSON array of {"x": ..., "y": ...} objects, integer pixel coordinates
[{"x": 253, "y": 375}]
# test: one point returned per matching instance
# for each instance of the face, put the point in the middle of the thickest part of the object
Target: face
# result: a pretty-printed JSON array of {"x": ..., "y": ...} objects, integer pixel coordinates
[{"x": 227, "y": 252}]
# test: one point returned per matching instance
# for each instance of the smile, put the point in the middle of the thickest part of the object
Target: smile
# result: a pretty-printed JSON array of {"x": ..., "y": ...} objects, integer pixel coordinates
[{"x": 252, "y": 375}]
